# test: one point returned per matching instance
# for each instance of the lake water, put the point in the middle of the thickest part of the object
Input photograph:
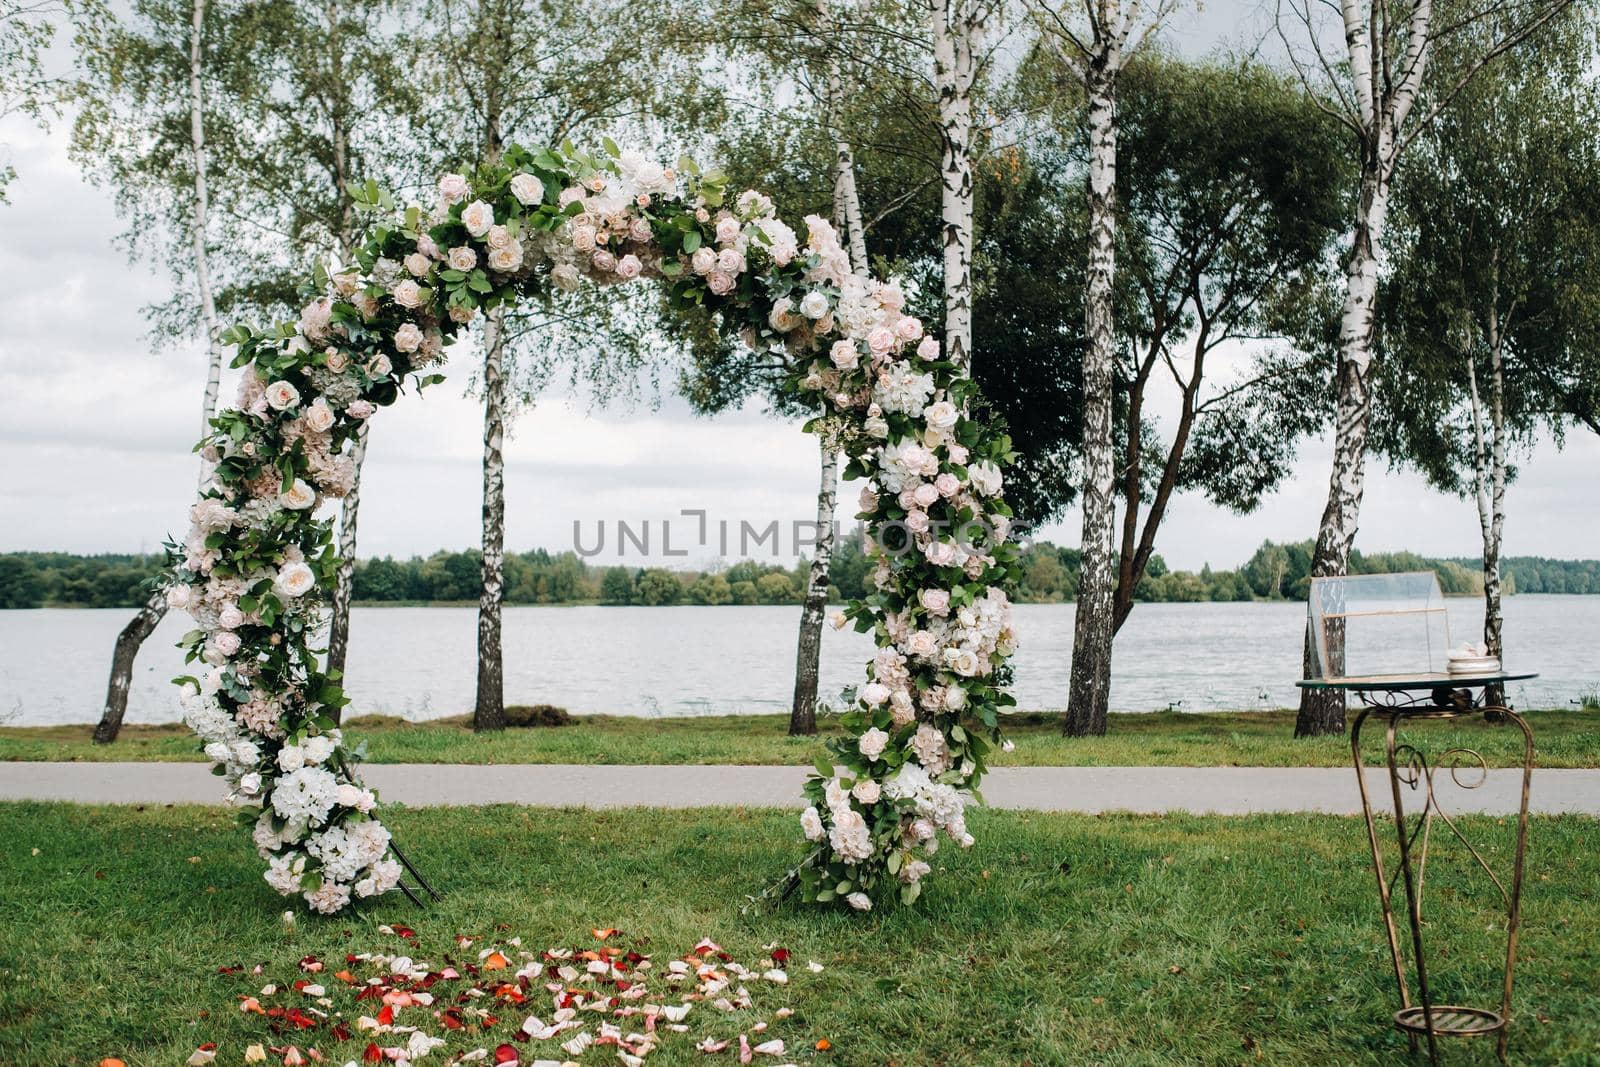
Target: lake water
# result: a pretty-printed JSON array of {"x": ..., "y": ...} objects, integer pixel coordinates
[{"x": 419, "y": 662}]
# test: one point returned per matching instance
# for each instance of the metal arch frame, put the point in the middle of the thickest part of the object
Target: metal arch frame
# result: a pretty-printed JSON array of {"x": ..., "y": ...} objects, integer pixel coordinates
[{"x": 1409, "y": 766}]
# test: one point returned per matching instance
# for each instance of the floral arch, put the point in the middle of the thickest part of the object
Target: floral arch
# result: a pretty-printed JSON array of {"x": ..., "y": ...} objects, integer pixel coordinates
[{"x": 257, "y": 560}]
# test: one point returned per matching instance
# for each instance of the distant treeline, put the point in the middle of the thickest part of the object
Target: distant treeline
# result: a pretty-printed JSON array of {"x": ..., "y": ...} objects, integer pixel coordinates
[{"x": 1049, "y": 575}]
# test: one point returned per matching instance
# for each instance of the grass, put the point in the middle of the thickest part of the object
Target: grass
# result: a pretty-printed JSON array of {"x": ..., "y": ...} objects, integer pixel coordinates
[
  {"x": 1056, "y": 940},
  {"x": 1566, "y": 738}
]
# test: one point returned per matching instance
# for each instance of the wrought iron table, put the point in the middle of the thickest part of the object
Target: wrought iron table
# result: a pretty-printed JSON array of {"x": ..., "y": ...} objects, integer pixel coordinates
[{"x": 1435, "y": 696}]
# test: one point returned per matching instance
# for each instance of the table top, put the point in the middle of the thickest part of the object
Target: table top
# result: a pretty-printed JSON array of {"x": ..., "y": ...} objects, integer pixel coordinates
[{"x": 1397, "y": 682}]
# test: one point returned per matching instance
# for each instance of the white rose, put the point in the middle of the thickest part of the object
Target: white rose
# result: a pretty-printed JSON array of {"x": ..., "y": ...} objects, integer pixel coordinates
[
  {"x": 282, "y": 395},
  {"x": 874, "y": 693},
  {"x": 499, "y": 236},
  {"x": 928, "y": 349},
  {"x": 704, "y": 260},
  {"x": 294, "y": 580},
  {"x": 872, "y": 743},
  {"x": 867, "y": 791},
  {"x": 408, "y": 338},
  {"x": 811, "y": 824},
  {"x": 217, "y": 752},
  {"x": 298, "y": 497},
  {"x": 727, "y": 230},
  {"x": 291, "y": 759},
  {"x": 178, "y": 596},
  {"x": 527, "y": 189},
  {"x": 477, "y": 217},
  {"x": 859, "y": 901},
  {"x": 941, "y": 415},
  {"x": 844, "y": 354},
  {"x": 418, "y": 264},
  {"x": 505, "y": 259},
  {"x": 408, "y": 294},
  {"x": 453, "y": 188},
  {"x": 230, "y": 617},
  {"x": 462, "y": 258},
  {"x": 814, "y": 305},
  {"x": 319, "y": 416}
]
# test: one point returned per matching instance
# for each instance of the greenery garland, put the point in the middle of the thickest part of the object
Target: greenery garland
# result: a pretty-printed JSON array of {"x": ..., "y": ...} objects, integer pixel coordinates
[{"x": 257, "y": 561}]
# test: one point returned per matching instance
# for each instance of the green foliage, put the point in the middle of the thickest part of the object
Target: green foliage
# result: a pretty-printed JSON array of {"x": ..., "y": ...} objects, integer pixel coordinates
[
  {"x": 657, "y": 587},
  {"x": 1568, "y": 737},
  {"x": 1496, "y": 253},
  {"x": 537, "y": 715}
]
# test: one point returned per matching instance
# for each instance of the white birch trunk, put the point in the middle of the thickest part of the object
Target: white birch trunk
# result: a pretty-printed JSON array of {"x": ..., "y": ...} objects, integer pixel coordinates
[
  {"x": 1095, "y": 624},
  {"x": 808, "y": 653},
  {"x": 489, "y": 712},
  {"x": 1322, "y": 710},
  {"x": 343, "y": 589},
  {"x": 957, "y": 37},
  {"x": 143, "y": 624}
]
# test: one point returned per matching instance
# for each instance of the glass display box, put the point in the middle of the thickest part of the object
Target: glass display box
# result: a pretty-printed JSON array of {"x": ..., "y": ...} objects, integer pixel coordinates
[{"x": 1376, "y": 626}]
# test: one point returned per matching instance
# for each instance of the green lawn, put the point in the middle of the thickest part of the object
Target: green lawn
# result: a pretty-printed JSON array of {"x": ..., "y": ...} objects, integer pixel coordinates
[
  {"x": 1214, "y": 739},
  {"x": 1056, "y": 940}
]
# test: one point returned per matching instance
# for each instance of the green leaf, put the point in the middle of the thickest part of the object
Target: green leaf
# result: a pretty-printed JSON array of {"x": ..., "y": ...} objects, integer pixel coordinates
[
  {"x": 823, "y": 767},
  {"x": 691, "y": 241}
]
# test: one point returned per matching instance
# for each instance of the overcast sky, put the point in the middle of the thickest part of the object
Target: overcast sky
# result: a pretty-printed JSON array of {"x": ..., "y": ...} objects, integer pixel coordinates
[{"x": 96, "y": 429}]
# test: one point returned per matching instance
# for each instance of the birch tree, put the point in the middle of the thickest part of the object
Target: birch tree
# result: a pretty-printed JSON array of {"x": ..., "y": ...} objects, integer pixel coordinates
[
  {"x": 522, "y": 70},
  {"x": 1116, "y": 30},
  {"x": 1503, "y": 185},
  {"x": 347, "y": 114},
  {"x": 1376, "y": 85},
  {"x": 140, "y": 69},
  {"x": 958, "y": 28}
]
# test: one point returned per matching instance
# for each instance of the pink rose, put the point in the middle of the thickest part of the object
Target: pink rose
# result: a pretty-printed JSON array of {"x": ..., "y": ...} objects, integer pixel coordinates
[
  {"x": 418, "y": 264},
  {"x": 408, "y": 338},
  {"x": 936, "y": 601},
  {"x": 881, "y": 340},
  {"x": 727, "y": 230},
  {"x": 947, "y": 484},
  {"x": 720, "y": 282},
  {"x": 925, "y": 494},
  {"x": 603, "y": 261},
  {"x": 628, "y": 267},
  {"x": 583, "y": 238},
  {"x": 462, "y": 258},
  {"x": 908, "y": 328},
  {"x": 730, "y": 261},
  {"x": 704, "y": 260},
  {"x": 360, "y": 409},
  {"x": 319, "y": 416},
  {"x": 928, "y": 348},
  {"x": 640, "y": 230}
]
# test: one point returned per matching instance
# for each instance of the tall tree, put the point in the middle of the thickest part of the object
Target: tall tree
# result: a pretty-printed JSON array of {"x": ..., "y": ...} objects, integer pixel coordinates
[
  {"x": 1503, "y": 184},
  {"x": 537, "y": 72},
  {"x": 346, "y": 113},
  {"x": 143, "y": 129},
  {"x": 1374, "y": 89},
  {"x": 1232, "y": 195},
  {"x": 1117, "y": 29}
]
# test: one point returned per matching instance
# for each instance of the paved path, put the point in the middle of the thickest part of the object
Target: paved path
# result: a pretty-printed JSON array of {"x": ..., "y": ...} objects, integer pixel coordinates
[{"x": 1203, "y": 790}]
